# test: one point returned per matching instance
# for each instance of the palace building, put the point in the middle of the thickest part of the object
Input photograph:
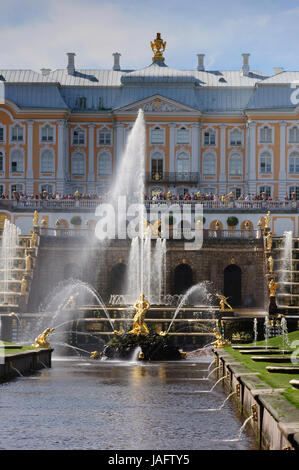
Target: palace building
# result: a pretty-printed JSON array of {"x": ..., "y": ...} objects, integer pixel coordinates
[{"x": 208, "y": 130}]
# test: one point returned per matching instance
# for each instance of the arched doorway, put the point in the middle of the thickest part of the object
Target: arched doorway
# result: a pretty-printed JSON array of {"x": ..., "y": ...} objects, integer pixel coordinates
[
  {"x": 183, "y": 278},
  {"x": 232, "y": 284},
  {"x": 117, "y": 279},
  {"x": 72, "y": 271}
]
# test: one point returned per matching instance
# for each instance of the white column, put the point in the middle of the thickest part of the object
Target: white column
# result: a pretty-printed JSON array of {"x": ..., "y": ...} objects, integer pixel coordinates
[
  {"x": 118, "y": 145},
  {"x": 29, "y": 173},
  {"x": 282, "y": 187},
  {"x": 91, "y": 175},
  {"x": 222, "y": 175},
  {"x": 252, "y": 158},
  {"x": 60, "y": 186},
  {"x": 172, "y": 165},
  {"x": 66, "y": 152}
]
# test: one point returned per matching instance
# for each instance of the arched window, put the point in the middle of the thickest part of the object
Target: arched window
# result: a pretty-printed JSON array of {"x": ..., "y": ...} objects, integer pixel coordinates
[
  {"x": 78, "y": 164},
  {"x": 157, "y": 135},
  {"x": 47, "y": 133},
  {"x": 157, "y": 166},
  {"x": 1, "y": 161},
  {"x": 78, "y": 137},
  {"x": 265, "y": 135},
  {"x": 183, "y": 165},
  {"x": 183, "y": 136},
  {"x": 209, "y": 137},
  {"x": 17, "y": 133},
  {"x": 265, "y": 162},
  {"x": 235, "y": 165},
  {"x": 104, "y": 164},
  {"x": 105, "y": 137},
  {"x": 294, "y": 163},
  {"x": 47, "y": 162},
  {"x": 2, "y": 134},
  {"x": 17, "y": 161},
  {"x": 209, "y": 164},
  {"x": 294, "y": 135},
  {"x": 236, "y": 137}
]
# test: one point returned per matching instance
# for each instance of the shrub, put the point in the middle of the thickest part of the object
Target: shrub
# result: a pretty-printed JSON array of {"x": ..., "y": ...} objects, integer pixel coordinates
[
  {"x": 76, "y": 220},
  {"x": 170, "y": 220},
  {"x": 232, "y": 221}
]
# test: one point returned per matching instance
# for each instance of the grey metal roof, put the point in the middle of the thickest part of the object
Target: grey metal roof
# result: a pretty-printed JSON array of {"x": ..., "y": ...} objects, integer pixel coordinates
[
  {"x": 34, "y": 96},
  {"x": 271, "y": 97},
  {"x": 87, "y": 78},
  {"x": 282, "y": 78},
  {"x": 23, "y": 76}
]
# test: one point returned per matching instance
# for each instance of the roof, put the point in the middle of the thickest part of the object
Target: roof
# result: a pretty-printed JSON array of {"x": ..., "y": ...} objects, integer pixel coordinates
[{"x": 23, "y": 76}]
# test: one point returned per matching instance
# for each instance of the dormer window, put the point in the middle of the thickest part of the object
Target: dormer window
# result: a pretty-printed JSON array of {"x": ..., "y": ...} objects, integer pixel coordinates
[
  {"x": 105, "y": 137},
  {"x": 209, "y": 137},
  {"x": 183, "y": 136},
  {"x": 78, "y": 137},
  {"x": 81, "y": 102},
  {"x": 47, "y": 133},
  {"x": 157, "y": 135},
  {"x": 17, "y": 133},
  {"x": 266, "y": 135}
]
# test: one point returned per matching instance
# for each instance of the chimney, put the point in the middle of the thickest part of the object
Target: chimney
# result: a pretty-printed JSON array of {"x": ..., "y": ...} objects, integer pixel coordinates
[
  {"x": 45, "y": 71},
  {"x": 200, "y": 64},
  {"x": 277, "y": 70},
  {"x": 71, "y": 63},
  {"x": 116, "y": 65},
  {"x": 245, "y": 66}
]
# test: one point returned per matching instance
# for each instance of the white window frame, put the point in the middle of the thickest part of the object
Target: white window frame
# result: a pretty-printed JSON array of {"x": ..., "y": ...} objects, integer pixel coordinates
[
  {"x": 43, "y": 150},
  {"x": 105, "y": 174},
  {"x": 18, "y": 191},
  {"x": 47, "y": 184},
  {"x": 3, "y": 126},
  {"x": 83, "y": 166},
  {"x": 266, "y": 186},
  {"x": 21, "y": 172},
  {"x": 241, "y": 164},
  {"x": 157, "y": 154},
  {"x": 293, "y": 154},
  {"x": 263, "y": 151},
  {"x": 156, "y": 128},
  {"x": 105, "y": 131},
  {"x": 79, "y": 130},
  {"x": 234, "y": 190},
  {"x": 204, "y": 158},
  {"x": 209, "y": 131},
  {"x": 296, "y": 128},
  {"x": 235, "y": 130},
  {"x": 47, "y": 141},
  {"x": 187, "y": 159},
  {"x": 293, "y": 188},
  {"x": 262, "y": 128},
  {"x": 2, "y": 172},
  {"x": 183, "y": 141},
  {"x": 20, "y": 126}
]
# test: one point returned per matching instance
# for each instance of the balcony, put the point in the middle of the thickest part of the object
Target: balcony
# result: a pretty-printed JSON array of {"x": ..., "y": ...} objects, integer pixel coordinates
[{"x": 172, "y": 177}]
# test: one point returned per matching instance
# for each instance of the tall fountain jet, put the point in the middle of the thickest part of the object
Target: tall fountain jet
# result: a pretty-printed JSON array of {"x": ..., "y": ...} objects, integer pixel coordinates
[{"x": 9, "y": 246}]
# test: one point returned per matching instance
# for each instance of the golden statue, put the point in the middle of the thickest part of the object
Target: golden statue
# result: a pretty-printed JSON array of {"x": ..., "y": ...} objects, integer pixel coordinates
[
  {"x": 141, "y": 306},
  {"x": 269, "y": 241},
  {"x": 273, "y": 287},
  {"x": 120, "y": 331},
  {"x": 223, "y": 302},
  {"x": 71, "y": 302},
  {"x": 267, "y": 219},
  {"x": 271, "y": 263},
  {"x": 41, "y": 340},
  {"x": 168, "y": 195},
  {"x": 158, "y": 47},
  {"x": 220, "y": 342},
  {"x": 33, "y": 239},
  {"x": 29, "y": 261},
  {"x": 35, "y": 219},
  {"x": 94, "y": 355},
  {"x": 24, "y": 286},
  {"x": 44, "y": 222}
]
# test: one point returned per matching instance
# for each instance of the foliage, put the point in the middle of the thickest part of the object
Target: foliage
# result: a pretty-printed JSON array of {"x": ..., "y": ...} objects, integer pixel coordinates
[
  {"x": 76, "y": 220},
  {"x": 232, "y": 221}
]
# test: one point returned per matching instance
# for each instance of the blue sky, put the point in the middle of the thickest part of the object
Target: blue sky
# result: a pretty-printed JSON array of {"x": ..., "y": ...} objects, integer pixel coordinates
[{"x": 38, "y": 33}]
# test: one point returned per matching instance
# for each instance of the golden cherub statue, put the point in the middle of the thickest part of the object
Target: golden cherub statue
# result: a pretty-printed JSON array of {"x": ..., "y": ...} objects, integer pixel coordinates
[
  {"x": 273, "y": 287},
  {"x": 28, "y": 260},
  {"x": 267, "y": 219},
  {"x": 271, "y": 263},
  {"x": 120, "y": 331},
  {"x": 158, "y": 47},
  {"x": 35, "y": 219},
  {"x": 33, "y": 239},
  {"x": 24, "y": 286},
  {"x": 71, "y": 302},
  {"x": 269, "y": 241},
  {"x": 41, "y": 340},
  {"x": 141, "y": 306},
  {"x": 94, "y": 355},
  {"x": 220, "y": 342},
  {"x": 223, "y": 302}
]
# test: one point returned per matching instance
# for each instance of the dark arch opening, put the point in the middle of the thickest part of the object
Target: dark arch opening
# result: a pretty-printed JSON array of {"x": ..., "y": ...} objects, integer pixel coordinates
[
  {"x": 72, "y": 271},
  {"x": 117, "y": 279},
  {"x": 183, "y": 278},
  {"x": 233, "y": 284}
]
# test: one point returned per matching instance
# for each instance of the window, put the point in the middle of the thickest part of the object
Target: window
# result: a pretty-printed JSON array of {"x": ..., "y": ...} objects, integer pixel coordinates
[
  {"x": 16, "y": 188},
  {"x": 209, "y": 138},
  {"x": 127, "y": 133},
  {"x": 157, "y": 167},
  {"x": 78, "y": 164},
  {"x": 294, "y": 163},
  {"x": 183, "y": 165},
  {"x": 267, "y": 190},
  {"x": 183, "y": 136},
  {"x": 265, "y": 163},
  {"x": 17, "y": 161},
  {"x": 209, "y": 165},
  {"x": 1, "y": 134},
  {"x": 47, "y": 133},
  {"x": 294, "y": 190},
  {"x": 47, "y": 162},
  {"x": 294, "y": 135},
  {"x": 157, "y": 136},
  {"x": 237, "y": 192},
  {"x": 235, "y": 165},
  {"x": 1, "y": 189},
  {"x": 46, "y": 187},
  {"x": 17, "y": 133},
  {"x": 266, "y": 135},
  {"x": 236, "y": 137},
  {"x": 104, "y": 164},
  {"x": 105, "y": 137},
  {"x": 1, "y": 161},
  {"x": 80, "y": 102},
  {"x": 79, "y": 137}
]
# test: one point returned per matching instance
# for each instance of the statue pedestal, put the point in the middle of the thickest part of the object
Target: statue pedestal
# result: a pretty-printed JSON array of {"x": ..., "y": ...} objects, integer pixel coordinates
[{"x": 273, "y": 310}]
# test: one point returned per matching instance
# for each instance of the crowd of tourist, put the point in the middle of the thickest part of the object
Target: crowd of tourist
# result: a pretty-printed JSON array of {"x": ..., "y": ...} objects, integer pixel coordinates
[{"x": 158, "y": 196}]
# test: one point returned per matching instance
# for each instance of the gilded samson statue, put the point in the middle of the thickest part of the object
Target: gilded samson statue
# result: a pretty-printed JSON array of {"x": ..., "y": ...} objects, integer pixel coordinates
[{"x": 141, "y": 307}]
